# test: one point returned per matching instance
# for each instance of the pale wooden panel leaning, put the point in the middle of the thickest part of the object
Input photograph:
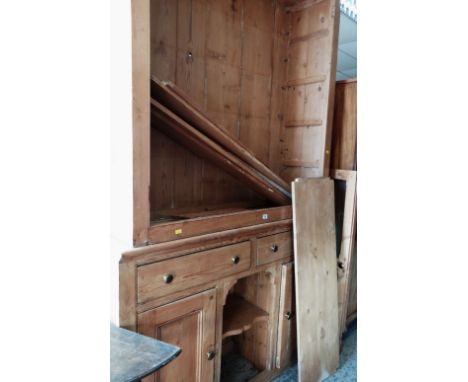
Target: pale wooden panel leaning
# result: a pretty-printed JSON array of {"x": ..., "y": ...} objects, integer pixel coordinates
[{"x": 316, "y": 281}]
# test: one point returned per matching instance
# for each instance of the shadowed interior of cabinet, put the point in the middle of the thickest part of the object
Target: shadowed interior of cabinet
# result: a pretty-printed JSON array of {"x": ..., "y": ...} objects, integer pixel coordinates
[
  {"x": 254, "y": 67},
  {"x": 246, "y": 324}
]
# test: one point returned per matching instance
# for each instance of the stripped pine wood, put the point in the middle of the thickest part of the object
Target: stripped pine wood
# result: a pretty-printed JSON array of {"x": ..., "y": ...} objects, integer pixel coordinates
[
  {"x": 311, "y": 86},
  {"x": 174, "y": 99},
  {"x": 347, "y": 242},
  {"x": 192, "y": 139},
  {"x": 141, "y": 118},
  {"x": 345, "y": 126},
  {"x": 315, "y": 278}
]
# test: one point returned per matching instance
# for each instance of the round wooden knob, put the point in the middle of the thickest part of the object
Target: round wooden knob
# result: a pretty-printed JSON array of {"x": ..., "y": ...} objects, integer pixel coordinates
[
  {"x": 235, "y": 259},
  {"x": 168, "y": 278},
  {"x": 274, "y": 248},
  {"x": 210, "y": 355}
]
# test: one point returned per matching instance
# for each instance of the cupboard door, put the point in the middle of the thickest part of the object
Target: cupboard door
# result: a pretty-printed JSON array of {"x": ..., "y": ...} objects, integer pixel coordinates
[
  {"x": 190, "y": 324},
  {"x": 287, "y": 322}
]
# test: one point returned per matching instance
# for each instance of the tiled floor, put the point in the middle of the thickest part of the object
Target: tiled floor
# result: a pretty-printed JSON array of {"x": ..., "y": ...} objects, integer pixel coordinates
[{"x": 348, "y": 357}]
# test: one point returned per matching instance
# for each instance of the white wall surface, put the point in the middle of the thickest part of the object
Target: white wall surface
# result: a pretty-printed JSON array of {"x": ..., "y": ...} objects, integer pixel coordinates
[{"x": 121, "y": 144}]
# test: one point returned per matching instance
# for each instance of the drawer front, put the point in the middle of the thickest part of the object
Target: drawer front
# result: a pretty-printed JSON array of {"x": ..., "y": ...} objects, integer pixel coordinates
[
  {"x": 274, "y": 247},
  {"x": 165, "y": 277}
]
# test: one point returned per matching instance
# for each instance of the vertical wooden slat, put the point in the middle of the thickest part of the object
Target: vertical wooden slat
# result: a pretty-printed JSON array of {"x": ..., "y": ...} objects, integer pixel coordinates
[{"x": 141, "y": 118}]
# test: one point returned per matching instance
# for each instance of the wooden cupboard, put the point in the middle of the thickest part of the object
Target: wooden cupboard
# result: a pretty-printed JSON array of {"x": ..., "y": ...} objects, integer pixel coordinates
[
  {"x": 212, "y": 266},
  {"x": 190, "y": 324}
]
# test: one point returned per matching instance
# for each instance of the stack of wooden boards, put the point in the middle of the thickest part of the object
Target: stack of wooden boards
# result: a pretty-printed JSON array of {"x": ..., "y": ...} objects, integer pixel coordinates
[{"x": 176, "y": 116}]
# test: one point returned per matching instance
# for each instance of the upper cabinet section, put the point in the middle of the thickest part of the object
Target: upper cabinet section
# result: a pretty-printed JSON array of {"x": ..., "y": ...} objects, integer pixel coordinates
[{"x": 260, "y": 70}]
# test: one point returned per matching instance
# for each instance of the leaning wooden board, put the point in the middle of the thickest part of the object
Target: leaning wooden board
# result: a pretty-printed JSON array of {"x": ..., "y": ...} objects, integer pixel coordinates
[{"x": 315, "y": 278}]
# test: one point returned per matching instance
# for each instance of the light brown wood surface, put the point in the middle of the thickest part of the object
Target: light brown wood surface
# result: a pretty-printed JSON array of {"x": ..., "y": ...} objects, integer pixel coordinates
[
  {"x": 344, "y": 142},
  {"x": 240, "y": 315},
  {"x": 311, "y": 71},
  {"x": 141, "y": 118},
  {"x": 220, "y": 53},
  {"x": 190, "y": 324},
  {"x": 187, "y": 271},
  {"x": 193, "y": 140},
  {"x": 286, "y": 346},
  {"x": 274, "y": 247},
  {"x": 179, "y": 103},
  {"x": 163, "y": 232},
  {"x": 347, "y": 242},
  {"x": 315, "y": 278}
]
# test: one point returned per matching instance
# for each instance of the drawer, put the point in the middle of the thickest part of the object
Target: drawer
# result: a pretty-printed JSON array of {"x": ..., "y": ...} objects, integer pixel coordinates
[
  {"x": 164, "y": 277},
  {"x": 274, "y": 247}
]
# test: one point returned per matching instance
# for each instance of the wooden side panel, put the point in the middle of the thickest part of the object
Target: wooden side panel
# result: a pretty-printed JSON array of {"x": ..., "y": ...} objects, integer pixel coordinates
[
  {"x": 315, "y": 278},
  {"x": 347, "y": 231},
  {"x": 311, "y": 86},
  {"x": 141, "y": 118},
  {"x": 287, "y": 321},
  {"x": 351, "y": 312},
  {"x": 345, "y": 126},
  {"x": 190, "y": 324}
]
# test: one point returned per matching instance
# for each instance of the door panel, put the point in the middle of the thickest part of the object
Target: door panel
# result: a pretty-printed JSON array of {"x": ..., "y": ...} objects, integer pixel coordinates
[{"x": 190, "y": 324}]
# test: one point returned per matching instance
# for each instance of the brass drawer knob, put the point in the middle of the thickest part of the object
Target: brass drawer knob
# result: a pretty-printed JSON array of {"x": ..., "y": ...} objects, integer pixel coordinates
[
  {"x": 274, "y": 248},
  {"x": 210, "y": 355},
  {"x": 235, "y": 259},
  {"x": 288, "y": 315},
  {"x": 168, "y": 278}
]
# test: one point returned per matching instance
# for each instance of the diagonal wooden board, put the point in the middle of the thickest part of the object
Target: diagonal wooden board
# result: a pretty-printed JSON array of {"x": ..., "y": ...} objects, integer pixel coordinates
[{"x": 315, "y": 278}]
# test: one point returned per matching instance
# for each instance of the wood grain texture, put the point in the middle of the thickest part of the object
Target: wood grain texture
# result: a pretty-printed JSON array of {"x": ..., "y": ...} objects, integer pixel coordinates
[
  {"x": 191, "y": 270},
  {"x": 170, "y": 124},
  {"x": 274, "y": 247},
  {"x": 179, "y": 103},
  {"x": 347, "y": 242},
  {"x": 240, "y": 315},
  {"x": 223, "y": 55},
  {"x": 190, "y": 324},
  {"x": 310, "y": 87},
  {"x": 141, "y": 118},
  {"x": 286, "y": 346},
  {"x": 315, "y": 278},
  {"x": 344, "y": 142}
]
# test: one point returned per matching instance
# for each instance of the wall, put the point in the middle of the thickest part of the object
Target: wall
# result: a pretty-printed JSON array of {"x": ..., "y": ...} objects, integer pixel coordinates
[{"x": 121, "y": 145}]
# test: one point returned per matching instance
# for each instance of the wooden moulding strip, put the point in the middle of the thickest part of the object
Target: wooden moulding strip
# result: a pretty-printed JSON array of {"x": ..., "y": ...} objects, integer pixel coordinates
[
  {"x": 309, "y": 122},
  {"x": 178, "y": 102},
  {"x": 306, "y": 81},
  {"x": 171, "y": 125},
  {"x": 198, "y": 226}
]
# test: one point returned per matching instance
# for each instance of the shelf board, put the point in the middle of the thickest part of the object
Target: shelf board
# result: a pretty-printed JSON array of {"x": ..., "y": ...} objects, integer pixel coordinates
[{"x": 240, "y": 315}]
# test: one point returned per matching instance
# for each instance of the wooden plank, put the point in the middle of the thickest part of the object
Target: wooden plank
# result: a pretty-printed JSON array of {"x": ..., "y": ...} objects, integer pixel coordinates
[
  {"x": 192, "y": 139},
  {"x": 315, "y": 278},
  {"x": 176, "y": 101},
  {"x": 141, "y": 118},
  {"x": 347, "y": 242},
  {"x": 344, "y": 140},
  {"x": 127, "y": 295},
  {"x": 198, "y": 226}
]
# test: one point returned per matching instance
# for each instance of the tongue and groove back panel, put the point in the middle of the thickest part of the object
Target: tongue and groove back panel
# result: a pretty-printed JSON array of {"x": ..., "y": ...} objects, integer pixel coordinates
[{"x": 256, "y": 67}]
